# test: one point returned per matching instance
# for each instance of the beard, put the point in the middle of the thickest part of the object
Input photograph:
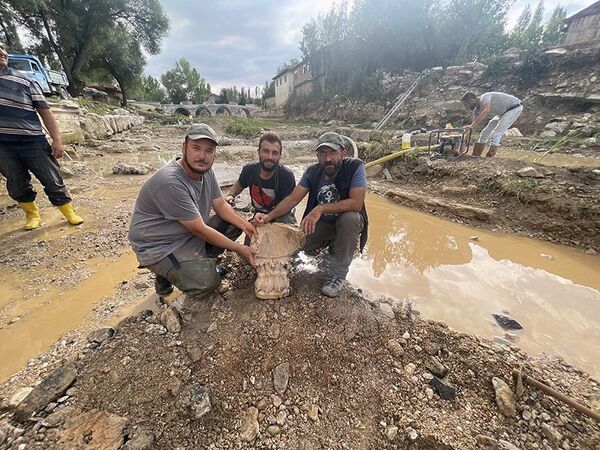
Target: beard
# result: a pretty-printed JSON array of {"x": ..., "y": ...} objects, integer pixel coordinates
[
  {"x": 192, "y": 169},
  {"x": 266, "y": 168},
  {"x": 332, "y": 169}
]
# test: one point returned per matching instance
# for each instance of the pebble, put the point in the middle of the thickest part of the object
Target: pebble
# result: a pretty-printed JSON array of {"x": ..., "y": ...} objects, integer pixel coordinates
[
  {"x": 505, "y": 398},
  {"x": 526, "y": 415},
  {"x": 412, "y": 434},
  {"x": 391, "y": 431},
  {"x": 313, "y": 413},
  {"x": 406, "y": 335},
  {"x": 410, "y": 369},
  {"x": 276, "y": 400},
  {"x": 171, "y": 320},
  {"x": 445, "y": 390},
  {"x": 281, "y": 377},
  {"x": 249, "y": 426},
  {"x": 273, "y": 430},
  {"x": 281, "y": 417},
  {"x": 395, "y": 348},
  {"x": 429, "y": 393}
]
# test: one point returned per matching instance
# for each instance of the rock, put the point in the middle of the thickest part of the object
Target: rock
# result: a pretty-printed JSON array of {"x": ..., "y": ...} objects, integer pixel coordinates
[
  {"x": 432, "y": 348},
  {"x": 505, "y": 398},
  {"x": 273, "y": 430},
  {"x": 56, "y": 419},
  {"x": 551, "y": 433},
  {"x": 406, "y": 309},
  {"x": 16, "y": 399},
  {"x": 557, "y": 127},
  {"x": 501, "y": 341},
  {"x": 3, "y": 436},
  {"x": 429, "y": 393},
  {"x": 548, "y": 134},
  {"x": 526, "y": 414},
  {"x": 201, "y": 403},
  {"x": 388, "y": 310},
  {"x": 225, "y": 141},
  {"x": 223, "y": 287},
  {"x": 391, "y": 431},
  {"x": 276, "y": 400},
  {"x": 50, "y": 389},
  {"x": 505, "y": 445},
  {"x": 140, "y": 439},
  {"x": 107, "y": 430},
  {"x": 410, "y": 369},
  {"x": 281, "y": 417},
  {"x": 101, "y": 335},
  {"x": 513, "y": 132},
  {"x": 444, "y": 388},
  {"x": 130, "y": 169},
  {"x": 249, "y": 425},
  {"x": 395, "y": 348},
  {"x": 506, "y": 322},
  {"x": 529, "y": 172},
  {"x": 262, "y": 404},
  {"x": 313, "y": 413},
  {"x": 412, "y": 434},
  {"x": 281, "y": 377},
  {"x": 435, "y": 366},
  {"x": 171, "y": 320}
]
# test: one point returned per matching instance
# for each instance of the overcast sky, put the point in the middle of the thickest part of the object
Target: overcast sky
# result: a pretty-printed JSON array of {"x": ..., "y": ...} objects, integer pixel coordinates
[{"x": 242, "y": 42}]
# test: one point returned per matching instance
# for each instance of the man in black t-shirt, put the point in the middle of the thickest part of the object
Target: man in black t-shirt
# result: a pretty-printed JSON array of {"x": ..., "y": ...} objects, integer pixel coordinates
[{"x": 268, "y": 181}]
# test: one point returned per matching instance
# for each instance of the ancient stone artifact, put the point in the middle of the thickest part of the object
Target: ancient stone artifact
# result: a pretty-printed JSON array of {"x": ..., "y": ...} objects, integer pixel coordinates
[{"x": 276, "y": 244}]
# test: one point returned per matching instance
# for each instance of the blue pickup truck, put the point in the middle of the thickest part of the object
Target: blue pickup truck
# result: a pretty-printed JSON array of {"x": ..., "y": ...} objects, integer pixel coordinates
[{"x": 51, "y": 82}]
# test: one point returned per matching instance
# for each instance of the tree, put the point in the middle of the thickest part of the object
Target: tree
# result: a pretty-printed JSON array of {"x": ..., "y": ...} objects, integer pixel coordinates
[
  {"x": 152, "y": 90},
  {"x": 8, "y": 30},
  {"x": 223, "y": 96},
  {"x": 529, "y": 31},
  {"x": 184, "y": 82},
  {"x": 80, "y": 30},
  {"x": 554, "y": 29}
]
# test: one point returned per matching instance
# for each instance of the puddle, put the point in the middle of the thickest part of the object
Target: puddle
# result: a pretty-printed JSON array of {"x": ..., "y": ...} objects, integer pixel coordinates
[
  {"x": 462, "y": 281},
  {"x": 42, "y": 319},
  {"x": 551, "y": 159}
]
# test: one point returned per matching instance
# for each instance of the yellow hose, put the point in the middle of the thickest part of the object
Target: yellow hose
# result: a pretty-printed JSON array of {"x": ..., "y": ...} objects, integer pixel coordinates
[{"x": 396, "y": 155}]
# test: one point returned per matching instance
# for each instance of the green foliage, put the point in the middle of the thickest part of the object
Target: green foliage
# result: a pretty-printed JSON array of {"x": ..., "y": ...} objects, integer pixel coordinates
[
  {"x": 531, "y": 33},
  {"x": 8, "y": 30},
  {"x": 555, "y": 28},
  {"x": 81, "y": 31},
  {"x": 152, "y": 90},
  {"x": 248, "y": 127},
  {"x": 184, "y": 82}
]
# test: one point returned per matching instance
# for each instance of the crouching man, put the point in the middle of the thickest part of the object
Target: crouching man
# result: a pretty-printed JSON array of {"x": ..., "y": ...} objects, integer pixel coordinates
[
  {"x": 171, "y": 224},
  {"x": 335, "y": 214}
]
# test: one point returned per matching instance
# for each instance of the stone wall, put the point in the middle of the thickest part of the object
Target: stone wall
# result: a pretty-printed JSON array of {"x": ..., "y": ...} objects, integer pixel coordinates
[
  {"x": 584, "y": 29},
  {"x": 76, "y": 124}
]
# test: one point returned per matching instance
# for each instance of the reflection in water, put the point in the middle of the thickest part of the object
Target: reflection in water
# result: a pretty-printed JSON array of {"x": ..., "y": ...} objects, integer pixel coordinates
[{"x": 462, "y": 281}]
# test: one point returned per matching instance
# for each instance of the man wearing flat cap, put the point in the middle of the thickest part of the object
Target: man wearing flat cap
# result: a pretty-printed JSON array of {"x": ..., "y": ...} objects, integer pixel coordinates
[
  {"x": 335, "y": 215},
  {"x": 171, "y": 224}
]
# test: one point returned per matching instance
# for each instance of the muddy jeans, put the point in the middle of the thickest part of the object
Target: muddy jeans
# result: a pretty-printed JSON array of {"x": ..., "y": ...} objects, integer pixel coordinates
[
  {"x": 498, "y": 126},
  {"x": 192, "y": 267},
  {"x": 344, "y": 234},
  {"x": 17, "y": 159}
]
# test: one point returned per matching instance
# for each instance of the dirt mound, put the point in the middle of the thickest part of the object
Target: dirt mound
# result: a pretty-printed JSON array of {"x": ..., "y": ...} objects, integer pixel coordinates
[
  {"x": 554, "y": 203},
  {"x": 304, "y": 372}
]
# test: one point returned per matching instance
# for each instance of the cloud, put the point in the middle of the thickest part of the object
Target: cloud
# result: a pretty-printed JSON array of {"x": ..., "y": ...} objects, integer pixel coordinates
[{"x": 242, "y": 42}]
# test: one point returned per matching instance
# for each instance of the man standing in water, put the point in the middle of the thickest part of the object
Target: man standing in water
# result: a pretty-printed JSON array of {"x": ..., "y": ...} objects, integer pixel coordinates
[
  {"x": 335, "y": 214},
  {"x": 171, "y": 223},
  {"x": 24, "y": 147},
  {"x": 505, "y": 110}
]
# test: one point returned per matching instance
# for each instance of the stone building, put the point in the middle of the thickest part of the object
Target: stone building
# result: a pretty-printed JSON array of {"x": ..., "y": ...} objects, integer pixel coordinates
[
  {"x": 584, "y": 26},
  {"x": 293, "y": 79}
]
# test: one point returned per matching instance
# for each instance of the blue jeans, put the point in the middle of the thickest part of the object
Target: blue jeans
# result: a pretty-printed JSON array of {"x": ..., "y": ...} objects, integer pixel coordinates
[{"x": 18, "y": 159}]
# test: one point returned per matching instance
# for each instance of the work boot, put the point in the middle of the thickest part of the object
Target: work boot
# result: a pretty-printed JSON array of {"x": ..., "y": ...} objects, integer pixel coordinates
[
  {"x": 162, "y": 286},
  {"x": 333, "y": 287},
  {"x": 478, "y": 149},
  {"x": 32, "y": 215},
  {"x": 67, "y": 210},
  {"x": 492, "y": 151}
]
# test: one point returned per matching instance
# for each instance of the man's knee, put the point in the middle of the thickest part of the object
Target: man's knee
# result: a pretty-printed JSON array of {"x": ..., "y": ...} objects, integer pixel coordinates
[
  {"x": 196, "y": 278},
  {"x": 350, "y": 221}
]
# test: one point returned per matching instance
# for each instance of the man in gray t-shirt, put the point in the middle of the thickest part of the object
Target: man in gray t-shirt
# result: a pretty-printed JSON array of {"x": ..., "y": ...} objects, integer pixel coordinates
[
  {"x": 505, "y": 109},
  {"x": 171, "y": 222}
]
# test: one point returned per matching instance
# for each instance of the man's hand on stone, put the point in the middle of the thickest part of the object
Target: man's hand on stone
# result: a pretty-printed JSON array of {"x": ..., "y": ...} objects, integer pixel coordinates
[
  {"x": 309, "y": 223},
  {"x": 247, "y": 253},
  {"x": 249, "y": 229},
  {"x": 261, "y": 219},
  {"x": 230, "y": 199},
  {"x": 57, "y": 149}
]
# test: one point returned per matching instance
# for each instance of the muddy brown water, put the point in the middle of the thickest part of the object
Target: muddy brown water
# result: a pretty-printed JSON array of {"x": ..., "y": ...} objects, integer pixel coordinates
[{"x": 553, "y": 291}]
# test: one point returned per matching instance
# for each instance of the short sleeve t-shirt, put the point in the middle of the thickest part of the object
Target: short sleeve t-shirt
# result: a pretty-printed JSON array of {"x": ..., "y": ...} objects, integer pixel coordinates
[
  {"x": 328, "y": 192},
  {"x": 499, "y": 101},
  {"x": 20, "y": 97},
  {"x": 265, "y": 194},
  {"x": 169, "y": 196}
]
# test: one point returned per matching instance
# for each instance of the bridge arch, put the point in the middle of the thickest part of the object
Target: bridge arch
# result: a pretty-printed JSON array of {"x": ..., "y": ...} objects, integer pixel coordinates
[
  {"x": 203, "y": 111},
  {"x": 223, "y": 110},
  {"x": 182, "y": 111}
]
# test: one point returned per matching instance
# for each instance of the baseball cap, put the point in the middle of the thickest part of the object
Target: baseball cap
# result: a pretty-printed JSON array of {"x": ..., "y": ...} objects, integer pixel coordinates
[
  {"x": 331, "y": 139},
  {"x": 202, "y": 131}
]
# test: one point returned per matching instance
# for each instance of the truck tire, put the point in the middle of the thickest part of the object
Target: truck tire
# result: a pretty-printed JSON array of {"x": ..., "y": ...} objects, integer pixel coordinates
[{"x": 62, "y": 93}]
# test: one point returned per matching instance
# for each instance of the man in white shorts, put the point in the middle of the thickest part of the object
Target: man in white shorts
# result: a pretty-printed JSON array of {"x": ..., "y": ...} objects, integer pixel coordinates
[{"x": 505, "y": 109}]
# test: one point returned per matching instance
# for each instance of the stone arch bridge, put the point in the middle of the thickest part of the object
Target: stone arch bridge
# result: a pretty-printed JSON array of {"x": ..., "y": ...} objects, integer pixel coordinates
[{"x": 211, "y": 109}]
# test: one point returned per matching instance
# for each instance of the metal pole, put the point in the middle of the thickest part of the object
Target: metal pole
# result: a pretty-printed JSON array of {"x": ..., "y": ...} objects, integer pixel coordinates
[{"x": 559, "y": 396}]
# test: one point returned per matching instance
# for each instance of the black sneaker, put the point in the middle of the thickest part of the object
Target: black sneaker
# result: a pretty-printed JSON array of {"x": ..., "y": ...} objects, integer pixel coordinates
[
  {"x": 333, "y": 287},
  {"x": 162, "y": 286}
]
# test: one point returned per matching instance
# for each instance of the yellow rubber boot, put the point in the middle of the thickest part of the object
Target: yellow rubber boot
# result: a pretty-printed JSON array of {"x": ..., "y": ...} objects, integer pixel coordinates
[
  {"x": 32, "y": 215},
  {"x": 67, "y": 210}
]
